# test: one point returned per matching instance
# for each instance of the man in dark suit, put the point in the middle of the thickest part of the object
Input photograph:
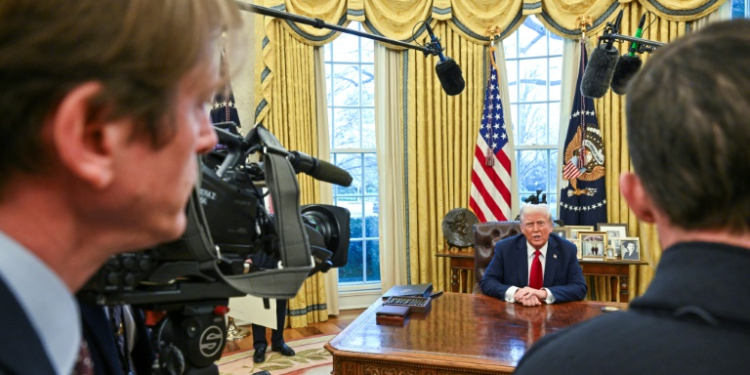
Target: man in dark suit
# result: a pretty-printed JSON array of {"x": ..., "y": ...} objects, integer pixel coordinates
[
  {"x": 99, "y": 133},
  {"x": 536, "y": 266},
  {"x": 688, "y": 135}
]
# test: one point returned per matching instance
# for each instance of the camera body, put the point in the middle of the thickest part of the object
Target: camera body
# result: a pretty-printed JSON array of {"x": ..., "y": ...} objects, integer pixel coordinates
[{"x": 228, "y": 223}]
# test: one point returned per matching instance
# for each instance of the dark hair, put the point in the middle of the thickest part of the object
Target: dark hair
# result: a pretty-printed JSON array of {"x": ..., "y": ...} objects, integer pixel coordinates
[
  {"x": 138, "y": 50},
  {"x": 688, "y": 128}
]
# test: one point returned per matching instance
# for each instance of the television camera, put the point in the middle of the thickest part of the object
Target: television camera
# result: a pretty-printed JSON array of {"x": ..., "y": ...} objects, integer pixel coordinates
[{"x": 189, "y": 281}]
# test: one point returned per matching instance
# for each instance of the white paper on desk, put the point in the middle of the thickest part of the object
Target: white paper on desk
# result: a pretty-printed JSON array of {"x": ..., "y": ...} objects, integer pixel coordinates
[{"x": 250, "y": 309}]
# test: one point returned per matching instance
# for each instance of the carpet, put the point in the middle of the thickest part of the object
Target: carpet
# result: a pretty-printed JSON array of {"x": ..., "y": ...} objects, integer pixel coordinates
[{"x": 311, "y": 359}]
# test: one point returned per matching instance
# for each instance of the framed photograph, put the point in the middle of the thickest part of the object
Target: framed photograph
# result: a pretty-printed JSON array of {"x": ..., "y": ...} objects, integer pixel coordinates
[
  {"x": 577, "y": 243},
  {"x": 614, "y": 230},
  {"x": 574, "y": 229},
  {"x": 631, "y": 248},
  {"x": 593, "y": 244},
  {"x": 561, "y": 231}
]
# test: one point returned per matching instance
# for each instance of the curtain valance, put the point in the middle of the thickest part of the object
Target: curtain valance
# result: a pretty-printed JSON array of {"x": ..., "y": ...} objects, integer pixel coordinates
[{"x": 402, "y": 19}]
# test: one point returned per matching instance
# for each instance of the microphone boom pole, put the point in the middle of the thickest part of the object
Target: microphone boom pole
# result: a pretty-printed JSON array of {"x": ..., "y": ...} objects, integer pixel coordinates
[
  {"x": 429, "y": 49},
  {"x": 627, "y": 38}
]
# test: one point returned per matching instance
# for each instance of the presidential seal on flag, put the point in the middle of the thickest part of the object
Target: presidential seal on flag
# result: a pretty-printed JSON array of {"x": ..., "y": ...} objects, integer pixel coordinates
[{"x": 585, "y": 159}]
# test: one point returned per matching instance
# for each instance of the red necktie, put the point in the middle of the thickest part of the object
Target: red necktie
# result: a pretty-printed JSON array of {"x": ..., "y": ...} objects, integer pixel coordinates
[{"x": 536, "y": 280}]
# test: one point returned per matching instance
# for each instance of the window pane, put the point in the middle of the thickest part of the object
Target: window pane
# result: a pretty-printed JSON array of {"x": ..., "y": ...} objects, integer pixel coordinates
[
  {"x": 555, "y": 44},
  {"x": 346, "y": 48},
  {"x": 371, "y": 217},
  {"x": 368, "y": 128},
  {"x": 351, "y": 163},
  {"x": 555, "y": 78},
  {"x": 371, "y": 174},
  {"x": 368, "y": 85},
  {"x": 552, "y": 172},
  {"x": 346, "y": 128},
  {"x": 514, "y": 118},
  {"x": 373, "y": 260},
  {"x": 532, "y": 167},
  {"x": 532, "y": 39},
  {"x": 345, "y": 85},
  {"x": 512, "y": 67},
  {"x": 533, "y": 124},
  {"x": 554, "y": 123},
  {"x": 354, "y": 269},
  {"x": 510, "y": 46},
  {"x": 533, "y": 75},
  {"x": 329, "y": 88},
  {"x": 367, "y": 50}
]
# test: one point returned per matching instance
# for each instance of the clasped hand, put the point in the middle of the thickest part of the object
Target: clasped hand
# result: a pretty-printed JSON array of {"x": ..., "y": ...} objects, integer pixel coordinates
[{"x": 530, "y": 297}]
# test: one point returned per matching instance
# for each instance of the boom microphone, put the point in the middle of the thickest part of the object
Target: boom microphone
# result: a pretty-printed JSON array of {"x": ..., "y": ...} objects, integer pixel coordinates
[
  {"x": 601, "y": 66},
  {"x": 319, "y": 169},
  {"x": 447, "y": 69},
  {"x": 629, "y": 64}
]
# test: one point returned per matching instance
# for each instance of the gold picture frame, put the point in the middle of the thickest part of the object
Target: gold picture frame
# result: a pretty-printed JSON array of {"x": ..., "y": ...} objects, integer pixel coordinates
[
  {"x": 593, "y": 244},
  {"x": 574, "y": 229}
]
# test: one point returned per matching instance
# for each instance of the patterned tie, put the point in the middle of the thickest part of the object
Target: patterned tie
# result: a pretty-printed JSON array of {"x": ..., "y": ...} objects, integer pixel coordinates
[
  {"x": 126, "y": 361},
  {"x": 536, "y": 280},
  {"x": 84, "y": 365}
]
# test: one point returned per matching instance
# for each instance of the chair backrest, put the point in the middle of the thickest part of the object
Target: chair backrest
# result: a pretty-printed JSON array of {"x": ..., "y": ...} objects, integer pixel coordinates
[{"x": 486, "y": 235}]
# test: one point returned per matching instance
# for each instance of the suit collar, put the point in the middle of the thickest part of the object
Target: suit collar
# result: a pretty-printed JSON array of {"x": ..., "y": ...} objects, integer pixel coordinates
[{"x": 708, "y": 276}]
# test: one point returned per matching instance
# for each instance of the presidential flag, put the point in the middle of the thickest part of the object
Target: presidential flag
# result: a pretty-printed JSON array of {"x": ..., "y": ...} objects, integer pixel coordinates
[
  {"x": 490, "y": 175},
  {"x": 583, "y": 196}
]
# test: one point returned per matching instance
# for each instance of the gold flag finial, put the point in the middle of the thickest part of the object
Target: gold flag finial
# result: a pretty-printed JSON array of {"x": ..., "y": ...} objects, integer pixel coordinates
[
  {"x": 493, "y": 32},
  {"x": 583, "y": 22}
]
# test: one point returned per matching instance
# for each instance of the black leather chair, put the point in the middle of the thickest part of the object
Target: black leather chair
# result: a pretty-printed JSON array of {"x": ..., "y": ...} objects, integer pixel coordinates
[{"x": 486, "y": 235}]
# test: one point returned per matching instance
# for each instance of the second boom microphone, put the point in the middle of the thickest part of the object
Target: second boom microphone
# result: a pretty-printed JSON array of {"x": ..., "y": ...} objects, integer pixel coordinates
[{"x": 601, "y": 66}]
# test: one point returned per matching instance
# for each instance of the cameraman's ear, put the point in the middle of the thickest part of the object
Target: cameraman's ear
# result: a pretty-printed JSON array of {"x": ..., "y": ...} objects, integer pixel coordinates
[
  {"x": 638, "y": 199},
  {"x": 85, "y": 144}
]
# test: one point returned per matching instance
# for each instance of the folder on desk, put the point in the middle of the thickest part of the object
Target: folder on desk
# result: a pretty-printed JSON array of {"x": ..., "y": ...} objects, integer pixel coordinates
[{"x": 418, "y": 290}]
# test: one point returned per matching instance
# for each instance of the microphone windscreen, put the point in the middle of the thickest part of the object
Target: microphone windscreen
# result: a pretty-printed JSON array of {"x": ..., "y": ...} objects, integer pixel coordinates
[
  {"x": 449, "y": 74},
  {"x": 625, "y": 70},
  {"x": 330, "y": 173},
  {"x": 599, "y": 71}
]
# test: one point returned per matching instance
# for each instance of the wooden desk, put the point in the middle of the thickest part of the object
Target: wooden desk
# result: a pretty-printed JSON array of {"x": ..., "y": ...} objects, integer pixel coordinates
[
  {"x": 462, "y": 334},
  {"x": 618, "y": 271}
]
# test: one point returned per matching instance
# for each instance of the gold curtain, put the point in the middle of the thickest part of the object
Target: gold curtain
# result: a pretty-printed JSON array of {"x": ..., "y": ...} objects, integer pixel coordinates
[
  {"x": 441, "y": 136},
  {"x": 442, "y": 130},
  {"x": 292, "y": 120},
  {"x": 611, "y": 112}
]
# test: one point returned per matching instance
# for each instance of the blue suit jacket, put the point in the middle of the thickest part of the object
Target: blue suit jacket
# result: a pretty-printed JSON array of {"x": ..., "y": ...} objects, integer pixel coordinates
[
  {"x": 509, "y": 267},
  {"x": 21, "y": 350}
]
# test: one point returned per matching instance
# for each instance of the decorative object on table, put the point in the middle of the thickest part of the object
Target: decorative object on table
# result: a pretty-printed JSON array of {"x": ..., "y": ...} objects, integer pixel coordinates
[
  {"x": 536, "y": 199},
  {"x": 593, "y": 245},
  {"x": 631, "y": 248},
  {"x": 614, "y": 230},
  {"x": 457, "y": 227},
  {"x": 416, "y": 290},
  {"x": 574, "y": 229},
  {"x": 390, "y": 315},
  {"x": 577, "y": 243},
  {"x": 563, "y": 232}
]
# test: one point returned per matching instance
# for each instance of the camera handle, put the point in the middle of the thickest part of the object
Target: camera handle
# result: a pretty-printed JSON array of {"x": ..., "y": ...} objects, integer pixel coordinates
[{"x": 191, "y": 338}]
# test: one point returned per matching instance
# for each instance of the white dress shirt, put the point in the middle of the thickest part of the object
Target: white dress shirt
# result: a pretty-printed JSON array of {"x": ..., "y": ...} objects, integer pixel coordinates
[
  {"x": 530, "y": 250},
  {"x": 49, "y": 305}
]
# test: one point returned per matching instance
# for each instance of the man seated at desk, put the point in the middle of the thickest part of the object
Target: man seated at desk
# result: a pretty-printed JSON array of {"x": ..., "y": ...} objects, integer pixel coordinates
[{"x": 535, "y": 266}]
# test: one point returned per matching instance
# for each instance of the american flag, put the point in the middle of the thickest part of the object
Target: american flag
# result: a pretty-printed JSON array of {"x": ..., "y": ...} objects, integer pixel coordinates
[{"x": 490, "y": 175}]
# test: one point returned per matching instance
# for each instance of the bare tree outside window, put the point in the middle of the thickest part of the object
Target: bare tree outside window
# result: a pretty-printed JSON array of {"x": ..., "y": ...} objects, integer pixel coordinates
[
  {"x": 534, "y": 66},
  {"x": 350, "y": 87}
]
